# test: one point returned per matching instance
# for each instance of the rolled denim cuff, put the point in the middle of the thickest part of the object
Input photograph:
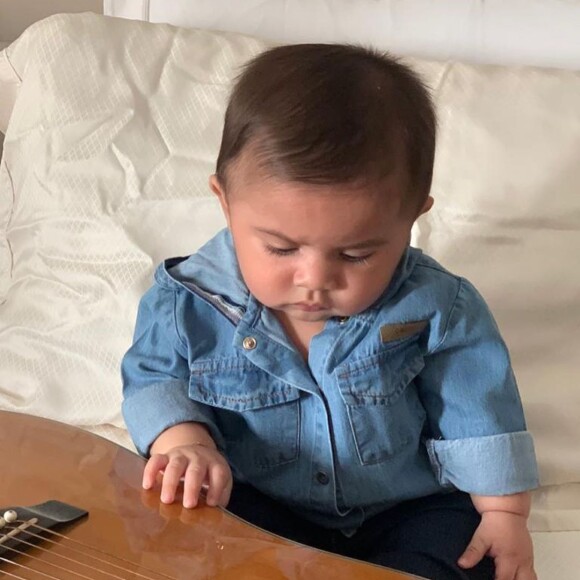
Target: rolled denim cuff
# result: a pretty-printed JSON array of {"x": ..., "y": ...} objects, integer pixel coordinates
[
  {"x": 151, "y": 410},
  {"x": 492, "y": 465}
]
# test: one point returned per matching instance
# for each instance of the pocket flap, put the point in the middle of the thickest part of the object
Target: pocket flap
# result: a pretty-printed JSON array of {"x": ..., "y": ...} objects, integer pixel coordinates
[
  {"x": 238, "y": 385},
  {"x": 380, "y": 379}
]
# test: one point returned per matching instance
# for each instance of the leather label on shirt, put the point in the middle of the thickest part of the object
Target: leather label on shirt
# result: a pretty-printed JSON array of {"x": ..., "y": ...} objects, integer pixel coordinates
[{"x": 403, "y": 330}]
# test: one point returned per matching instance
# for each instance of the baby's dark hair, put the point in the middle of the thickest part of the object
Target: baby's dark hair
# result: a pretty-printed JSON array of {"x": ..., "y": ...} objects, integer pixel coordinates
[{"x": 332, "y": 114}]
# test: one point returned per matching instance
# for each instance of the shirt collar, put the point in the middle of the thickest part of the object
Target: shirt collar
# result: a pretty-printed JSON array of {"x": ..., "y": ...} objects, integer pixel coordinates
[{"x": 215, "y": 270}]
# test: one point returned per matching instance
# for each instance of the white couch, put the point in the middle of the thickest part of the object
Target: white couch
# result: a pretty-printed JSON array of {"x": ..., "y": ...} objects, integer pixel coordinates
[{"x": 112, "y": 128}]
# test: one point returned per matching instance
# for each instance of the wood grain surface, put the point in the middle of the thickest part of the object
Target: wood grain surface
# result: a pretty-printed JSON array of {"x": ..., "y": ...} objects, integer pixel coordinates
[{"x": 129, "y": 533}]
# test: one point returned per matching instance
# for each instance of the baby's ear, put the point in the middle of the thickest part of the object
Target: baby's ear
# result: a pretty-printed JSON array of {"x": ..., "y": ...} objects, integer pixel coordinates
[
  {"x": 217, "y": 188},
  {"x": 427, "y": 205}
]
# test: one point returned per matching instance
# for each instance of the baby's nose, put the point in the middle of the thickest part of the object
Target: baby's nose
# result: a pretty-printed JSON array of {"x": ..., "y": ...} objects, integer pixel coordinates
[{"x": 316, "y": 275}]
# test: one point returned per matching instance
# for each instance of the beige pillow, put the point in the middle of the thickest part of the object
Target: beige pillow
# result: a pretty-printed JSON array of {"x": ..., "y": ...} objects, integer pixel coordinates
[
  {"x": 113, "y": 135},
  {"x": 9, "y": 82},
  {"x": 106, "y": 161},
  {"x": 507, "y": 216}
]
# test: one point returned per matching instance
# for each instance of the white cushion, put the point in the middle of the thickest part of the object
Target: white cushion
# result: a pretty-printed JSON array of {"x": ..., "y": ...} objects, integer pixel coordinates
[
  {"x": 112, "y": 138},
  {"x": 106, "y": 161},
  {"x": 9, "y": 82},
  {"x": 538, "y": 32},
  {"x": 507, "y": 216},
  {"x": 556, "y": 555}
]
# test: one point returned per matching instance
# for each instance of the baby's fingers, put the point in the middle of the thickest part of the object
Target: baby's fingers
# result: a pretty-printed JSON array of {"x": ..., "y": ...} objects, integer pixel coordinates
[
  {"x": 526, "y": 574},
  {"x": 474, "y": 553},
  {"x": 220, "y": 485},
  {"x": 155, "y": 464},
  {"x": 174, "y": 470},
  {"x": 195, "y": 476},
  {"x": 505, "y": 569}
]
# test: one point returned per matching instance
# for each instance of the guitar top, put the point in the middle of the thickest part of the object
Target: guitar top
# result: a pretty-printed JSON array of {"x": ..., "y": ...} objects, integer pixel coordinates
[{"x": 129, "y": 533}]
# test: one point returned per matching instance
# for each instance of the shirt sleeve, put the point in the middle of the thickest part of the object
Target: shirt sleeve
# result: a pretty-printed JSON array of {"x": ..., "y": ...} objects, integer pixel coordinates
[
  {"x": 478, "y": 439},
  {"x": 155, "y": 374}
]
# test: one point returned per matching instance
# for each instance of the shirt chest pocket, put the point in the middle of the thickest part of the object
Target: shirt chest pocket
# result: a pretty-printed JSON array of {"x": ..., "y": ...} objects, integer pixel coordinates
[
  {"x": 384, "y": 410},
  {"x": 258, "y": 415}
]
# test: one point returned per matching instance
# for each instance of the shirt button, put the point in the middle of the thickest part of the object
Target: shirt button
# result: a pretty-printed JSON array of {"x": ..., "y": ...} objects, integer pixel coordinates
[
  {"x": 322, "y": 478},
  {"x": 249, "y": 343},
  {"x": 343, "y": 320}
]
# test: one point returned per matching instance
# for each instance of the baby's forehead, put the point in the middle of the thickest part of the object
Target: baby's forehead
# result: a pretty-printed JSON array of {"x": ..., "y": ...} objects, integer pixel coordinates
[
  {"x": 308, "y": 206},
  {"x": 252, "y": 170}
]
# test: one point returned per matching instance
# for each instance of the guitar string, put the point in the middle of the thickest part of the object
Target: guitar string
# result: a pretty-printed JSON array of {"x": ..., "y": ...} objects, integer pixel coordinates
[
  {"x": 37, "y": 559},
  {"x": 96, "y": 550},
  {"x": 22, "y": 527},
  {"x": 28, "y": 568},
  {"x": 45, "y": 563},
  {"x": 13, "y": 575},
  {"x": 85, "y": 552},
  {"x": 82, "y": 553}
]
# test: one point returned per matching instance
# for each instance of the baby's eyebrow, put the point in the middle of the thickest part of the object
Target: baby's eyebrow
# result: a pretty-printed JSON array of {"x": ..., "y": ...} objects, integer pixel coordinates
[
  {"x": 372, "y": 243},
  {"x": 277, "y": 235}
]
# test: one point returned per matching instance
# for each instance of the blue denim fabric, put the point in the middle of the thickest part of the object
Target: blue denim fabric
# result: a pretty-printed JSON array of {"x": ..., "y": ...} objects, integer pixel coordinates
[{"x": 410, "y": 397}]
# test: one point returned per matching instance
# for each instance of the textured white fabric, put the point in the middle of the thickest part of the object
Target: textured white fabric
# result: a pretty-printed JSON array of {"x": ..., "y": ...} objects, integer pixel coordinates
[
  {"x": 529, "y": 32},
  {"x": 113, "y": 135},
  {"x": 557, "y": 507},
  {"x": 507, "y": 216},
  {"x": 556, "y": 555},
  {"x": 9, "y": 83},
  {"x": 105, "y": 169}
]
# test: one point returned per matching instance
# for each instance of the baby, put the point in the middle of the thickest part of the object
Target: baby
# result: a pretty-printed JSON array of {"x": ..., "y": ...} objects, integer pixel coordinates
[{"x": 310, "y": 369}]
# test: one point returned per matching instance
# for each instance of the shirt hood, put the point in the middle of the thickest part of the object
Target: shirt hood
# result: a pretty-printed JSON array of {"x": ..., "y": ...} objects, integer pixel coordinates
[{"x": 213, "y": 268}]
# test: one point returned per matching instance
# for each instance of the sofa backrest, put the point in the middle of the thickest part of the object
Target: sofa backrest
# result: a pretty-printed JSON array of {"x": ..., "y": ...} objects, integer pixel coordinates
[{"x": 113, "y": 134}]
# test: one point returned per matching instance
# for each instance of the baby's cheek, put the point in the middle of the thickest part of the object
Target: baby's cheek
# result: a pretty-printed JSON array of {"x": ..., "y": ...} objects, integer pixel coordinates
[
  {"x": 268, "y": 285},
  {"x": 277, "y": 276},
  {"x": 365, "y": 292}
]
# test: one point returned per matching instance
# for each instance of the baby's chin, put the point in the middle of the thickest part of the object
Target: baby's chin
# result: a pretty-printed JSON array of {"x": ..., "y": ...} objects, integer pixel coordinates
[{"x": 308, "y": 316}]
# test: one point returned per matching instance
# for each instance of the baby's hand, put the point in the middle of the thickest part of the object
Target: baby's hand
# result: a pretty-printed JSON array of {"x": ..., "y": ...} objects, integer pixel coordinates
[
  {"x": 504, "y": 536},
  {"x": 199, "y": 465}
]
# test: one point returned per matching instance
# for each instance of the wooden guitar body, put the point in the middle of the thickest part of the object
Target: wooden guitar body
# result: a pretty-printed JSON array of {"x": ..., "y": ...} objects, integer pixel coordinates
[{"x": 128, "y": 532}]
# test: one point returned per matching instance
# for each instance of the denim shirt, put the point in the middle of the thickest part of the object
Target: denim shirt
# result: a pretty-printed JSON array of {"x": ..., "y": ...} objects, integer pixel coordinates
[{"x": 411, "y": 397}]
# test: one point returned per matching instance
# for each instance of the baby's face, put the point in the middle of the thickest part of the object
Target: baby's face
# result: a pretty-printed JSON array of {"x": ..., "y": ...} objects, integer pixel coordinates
[{"x": 311, "y": 252}]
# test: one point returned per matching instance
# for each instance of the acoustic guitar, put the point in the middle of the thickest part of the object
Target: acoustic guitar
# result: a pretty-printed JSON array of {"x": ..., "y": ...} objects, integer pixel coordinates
[{"x": 72, "y": 507}]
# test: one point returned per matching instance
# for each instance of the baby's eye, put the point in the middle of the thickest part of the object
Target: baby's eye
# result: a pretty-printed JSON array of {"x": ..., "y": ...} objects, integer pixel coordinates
[
  {"x": 356, "y": 259},
  {"x": 280, "y": 251}
]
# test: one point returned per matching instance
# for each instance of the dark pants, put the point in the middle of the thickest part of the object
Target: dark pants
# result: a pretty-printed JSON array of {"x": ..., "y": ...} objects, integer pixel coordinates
[{"x": 424, "y": 536}]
